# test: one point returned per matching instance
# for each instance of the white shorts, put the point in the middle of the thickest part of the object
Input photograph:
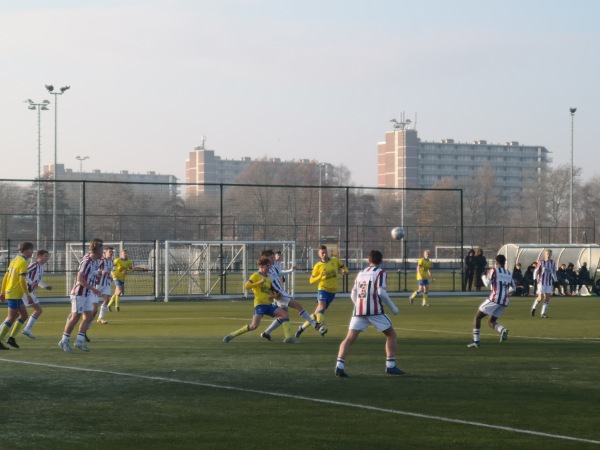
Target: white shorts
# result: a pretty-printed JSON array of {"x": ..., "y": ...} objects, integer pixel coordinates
[
  {"x": 491, "y": 309},
  {"x": 95, "y": 298},
  {"x": 543, "y": 289},
  {"x": 104, "y": 290},
  {"x": 34, "y": 299},
  {"x": 80, "y": 304},
  {"x": 360, "y": 323},
  {"x": 284, "y": 300}
]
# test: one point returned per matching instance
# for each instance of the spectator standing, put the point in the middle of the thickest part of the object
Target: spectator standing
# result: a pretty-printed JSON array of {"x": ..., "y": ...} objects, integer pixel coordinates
[
  {"x": 469, "y": 269},
  {"x": 480, "y": 264}
]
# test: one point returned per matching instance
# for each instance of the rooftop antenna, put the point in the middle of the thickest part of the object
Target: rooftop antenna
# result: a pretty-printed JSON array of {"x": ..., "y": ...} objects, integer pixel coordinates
[
  {"x": 415, "y": 122},
  {"x": 203, "y": 144}
]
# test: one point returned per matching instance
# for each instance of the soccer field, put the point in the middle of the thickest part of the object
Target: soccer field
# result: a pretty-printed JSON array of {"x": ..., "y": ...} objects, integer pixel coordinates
[{"x": 159, "y": 376}]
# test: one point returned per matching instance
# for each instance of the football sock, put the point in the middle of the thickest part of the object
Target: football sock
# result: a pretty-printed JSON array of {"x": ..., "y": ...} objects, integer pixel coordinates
[
  {"x": 305, "y": 325},
  {"x": 499, "y": 328},
  {"x": 31, "y": 322},
  {"x": 112, "y": 300},
  {"x": 320, "y": 316},
  {"x": 4, "y": 329},
  {"x": 80, "y": 336},
  {"x": 390, "y": 362},
  {"x": 274, "y": 325},
  {"x": 117, "y": 297},
  {"x": 103, "y": 310},
  {"x": 340, "y": 363},
  {"x": 535, "y": 302},
  {"x": 544, "y": 307},
  {"x": 414, "y": 294},
  {"x": 307, "y": 317},
  {"x": 424, "y": 299},
  {"x": 66, "y": 337},
  {"x": 17, "y": 328},
  {"x": 476, "y": 333},
  {"x": 242, "y": 330},
  {"x": 287, "y": 332}
]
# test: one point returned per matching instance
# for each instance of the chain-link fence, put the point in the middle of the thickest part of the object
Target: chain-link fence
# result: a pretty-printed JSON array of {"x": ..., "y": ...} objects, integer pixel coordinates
[{"x": 351, "y": 221}]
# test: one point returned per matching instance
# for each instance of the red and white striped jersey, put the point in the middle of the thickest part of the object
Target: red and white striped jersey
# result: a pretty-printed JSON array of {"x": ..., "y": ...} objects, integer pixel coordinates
[
  {"x": 89, "y": 269},
  {"x": 545, "y": 272},
  {"x": 365, "y": 291},
  {"x": 35, "y": 272},
  {"x": 501, "y": 281},
  {"x": 105, "y": 267}
]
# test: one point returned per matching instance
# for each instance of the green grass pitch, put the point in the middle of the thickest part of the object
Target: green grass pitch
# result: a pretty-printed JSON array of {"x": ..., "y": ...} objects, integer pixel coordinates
[{"x": 158, "y": 376}]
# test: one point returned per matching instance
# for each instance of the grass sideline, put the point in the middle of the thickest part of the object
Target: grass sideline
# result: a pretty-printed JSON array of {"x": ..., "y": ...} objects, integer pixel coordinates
[{"x": 159, "y": 376}]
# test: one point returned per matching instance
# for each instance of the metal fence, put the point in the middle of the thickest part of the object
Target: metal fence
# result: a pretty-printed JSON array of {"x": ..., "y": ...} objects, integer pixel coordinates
[{"x": 351, "y": 221}]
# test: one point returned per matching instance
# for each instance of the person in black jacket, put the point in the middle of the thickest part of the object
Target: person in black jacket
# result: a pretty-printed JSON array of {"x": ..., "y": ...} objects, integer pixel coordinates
[
  {"x": 469, "y": 270},
  {"x": 517, "y": 276},
  {"x": 584, "y": 279},
  {"x": 571, "y": 278},
  {"x": 562, "y": 281},
  {"x": 480, "y": 265},
  {"x": 528, "y": 280}
]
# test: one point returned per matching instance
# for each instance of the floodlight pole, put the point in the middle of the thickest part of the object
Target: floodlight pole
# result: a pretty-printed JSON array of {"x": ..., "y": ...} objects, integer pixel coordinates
[
  {"x": 571, "y": 193},
  {"x": 320, "y": 166},
  {"x": 402, "y": 125},
  {"x": 50, "y": 90},
  {"x": 39, "y": 107}
]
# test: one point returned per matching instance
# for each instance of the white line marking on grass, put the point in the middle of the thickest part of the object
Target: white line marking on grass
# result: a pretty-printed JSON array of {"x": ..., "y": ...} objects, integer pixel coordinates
[{"x": 315, "y": 400}]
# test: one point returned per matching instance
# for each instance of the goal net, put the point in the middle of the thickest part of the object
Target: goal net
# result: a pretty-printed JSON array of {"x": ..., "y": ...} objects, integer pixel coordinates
[
  {"x": 202, "y": 268},
  {"x": 139, "y": 284}
]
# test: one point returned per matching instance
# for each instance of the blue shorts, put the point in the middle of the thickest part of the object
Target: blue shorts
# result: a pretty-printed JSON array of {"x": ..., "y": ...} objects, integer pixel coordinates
[
  {"x": 121, "y": 284},
  {"x": 324, "y": 296},
  {"x": 423, "y": 282},
  {"x": 265, "y": 310},
  {"x": 14, "y": 304}
]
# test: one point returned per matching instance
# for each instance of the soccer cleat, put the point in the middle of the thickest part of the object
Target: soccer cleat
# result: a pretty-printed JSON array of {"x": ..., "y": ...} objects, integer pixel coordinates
[
  {"x": 412, "y": 300},
  {"x": 299, "y": 332},
  {"x": 323, "y": 331},
  {"x": 425, "y": 304},
  {"x": 544, "y": 316},
  {"x": 87, "y": 339},
  {"x": 65, "y": 346},
  {"x": 118, "y": 309},
  {"x": 341, "y": 373},
  {"x": 110, "y": 309},
  {"x": 394, "y": 371},
  {"x": 81, "y": 346},
  {"x": 28, "y": 333},
  {"x": 504, "y": 335},
  {"x": 11, "y": 341},
  {"x": 473, "y": 345},
  {"x": 3, "y": 347},
  {"x": 266, "y": 336},
  {"x": 227, "y": 339},
  {"x": 291, "y": 340},
  {"x": 533, "y": 312},
  {"x": 102, "y": 321}
]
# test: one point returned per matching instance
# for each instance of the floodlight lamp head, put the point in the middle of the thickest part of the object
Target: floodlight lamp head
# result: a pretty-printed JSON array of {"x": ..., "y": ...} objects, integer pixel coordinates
[
  {"x": 407, "y": 121},
  {"x": 64, "y": 88},
  {"x": 49, "y": 87},
  {"x": 30, "y": 101},
  {"x": 45, "y": 109},
  {"x": 31, "y": 107},
  {"x": 573, "y": 110},
  {"x": 46, "y": 102},
  {"x": 394, "y": 120}
]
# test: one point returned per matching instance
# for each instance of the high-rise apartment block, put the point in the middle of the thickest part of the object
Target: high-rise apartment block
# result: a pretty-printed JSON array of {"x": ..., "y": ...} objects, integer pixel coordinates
[{"x": 406, "y": 161}]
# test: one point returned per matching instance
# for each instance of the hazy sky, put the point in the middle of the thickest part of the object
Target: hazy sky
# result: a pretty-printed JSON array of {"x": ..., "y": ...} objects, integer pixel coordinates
[{"x": 293, "y": 79}]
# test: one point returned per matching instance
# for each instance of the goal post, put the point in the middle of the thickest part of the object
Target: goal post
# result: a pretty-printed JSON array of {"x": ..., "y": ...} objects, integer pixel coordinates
[{"x": 199, "y": 268}]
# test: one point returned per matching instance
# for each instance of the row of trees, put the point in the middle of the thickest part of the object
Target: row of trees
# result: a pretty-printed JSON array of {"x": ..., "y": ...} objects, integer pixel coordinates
[{"x": 271, "y": 201}]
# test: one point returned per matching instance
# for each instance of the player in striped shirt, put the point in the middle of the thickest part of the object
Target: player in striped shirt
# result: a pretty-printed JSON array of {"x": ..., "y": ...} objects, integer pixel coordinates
[
  {"x": 81, "y": 302},
  {"x": 545, "y": 275},
  {"x": 369, "y": 294},
  {"x": 501, "y": 281},
  {"x": 35, "y": 272},
  {"x": 284, "y": 301},
  {"x": 106, "y": 267}
]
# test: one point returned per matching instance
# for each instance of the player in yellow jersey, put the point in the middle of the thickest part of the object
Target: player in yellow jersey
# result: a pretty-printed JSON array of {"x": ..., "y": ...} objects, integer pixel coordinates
[
  {"x": 14, "y": 287},
  {"x": 260, "y": 284},
  {"x": 122, "y": 266},
  {"x": 423, "y": 278},
  {"x": 325, "y": 273}
]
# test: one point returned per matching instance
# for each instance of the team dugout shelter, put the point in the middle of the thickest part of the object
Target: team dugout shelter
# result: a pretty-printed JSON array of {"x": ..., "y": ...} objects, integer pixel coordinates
[{"x": 561, "y": 254}]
